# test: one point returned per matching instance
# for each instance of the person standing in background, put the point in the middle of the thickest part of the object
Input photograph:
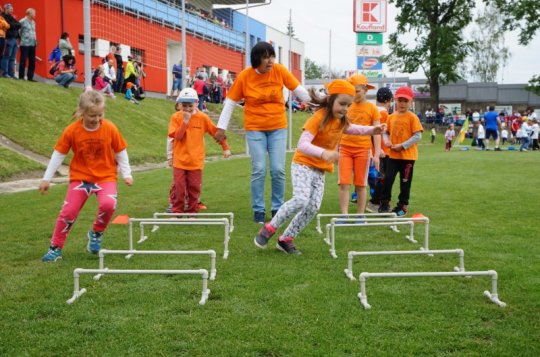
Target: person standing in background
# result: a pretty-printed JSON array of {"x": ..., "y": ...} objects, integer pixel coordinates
[
  {"x": 65, "y": 45},
  {"x": 10, "y": 51},
  {"x": 28, "y": 45},
  {"x": 4, "y": 26}
]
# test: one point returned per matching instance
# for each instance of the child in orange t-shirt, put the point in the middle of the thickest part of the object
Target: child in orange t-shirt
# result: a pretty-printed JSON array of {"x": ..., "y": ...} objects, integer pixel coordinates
[
  {"x": 315, "y": 155},
  {"x": 187, "y": 129},
  {"x": 355, "y": 151},
  {"x": 99, "y": 150},
  {"x": 404, "y": 131}
]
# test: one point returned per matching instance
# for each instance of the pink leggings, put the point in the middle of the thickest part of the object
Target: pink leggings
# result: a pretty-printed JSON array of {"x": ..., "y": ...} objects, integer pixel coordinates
[{"x": 77, "y": 194}]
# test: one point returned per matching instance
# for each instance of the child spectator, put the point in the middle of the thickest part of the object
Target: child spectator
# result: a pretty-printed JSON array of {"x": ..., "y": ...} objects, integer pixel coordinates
[
  {"x": 534, "y": 134},
  {"x": 355, "y": 152},
  {"x": 129, "y": 94},
  {"x": 504, "y": 135},
  {"x": 315, "y": 155},
  {"x": 102, "y": 86},
  {"x": 384, "y": 99},
  {"x": 200, "y": 87},
  {"x": 99, "y": 150},
  {"x": 448, "y": 137},
  {"x": 433, "y": 134},
  {"x": 187, "y": 129},
  {"x": 481, "y": 136},
  {"x": 404, "y": 131},
  {"x": 525, "y": 135}
]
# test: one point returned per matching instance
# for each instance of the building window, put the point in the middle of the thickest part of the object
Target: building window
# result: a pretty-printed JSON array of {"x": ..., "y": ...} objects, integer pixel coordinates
[{"x": 81, "y": 44}]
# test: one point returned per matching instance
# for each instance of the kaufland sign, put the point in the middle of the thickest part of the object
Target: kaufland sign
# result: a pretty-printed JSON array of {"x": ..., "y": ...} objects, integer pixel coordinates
[{"x": 369, "y": 16}]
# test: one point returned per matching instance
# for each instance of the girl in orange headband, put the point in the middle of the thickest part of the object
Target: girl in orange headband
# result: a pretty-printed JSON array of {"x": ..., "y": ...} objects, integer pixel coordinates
[{"x": 315, "y": 154}]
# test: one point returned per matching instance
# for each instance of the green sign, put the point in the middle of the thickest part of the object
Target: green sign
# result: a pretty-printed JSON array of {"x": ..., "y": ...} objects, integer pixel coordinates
[{"x": 369, "y": 38}]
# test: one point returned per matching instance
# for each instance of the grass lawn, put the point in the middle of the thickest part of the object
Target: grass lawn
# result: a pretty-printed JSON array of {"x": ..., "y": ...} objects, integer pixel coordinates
[
  {"x": 12, "y": 164},
  {"x": 265, "y": 303}
]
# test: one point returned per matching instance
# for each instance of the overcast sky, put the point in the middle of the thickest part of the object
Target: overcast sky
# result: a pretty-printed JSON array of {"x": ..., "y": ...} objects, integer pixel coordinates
[{"x": 312, "y": 21}]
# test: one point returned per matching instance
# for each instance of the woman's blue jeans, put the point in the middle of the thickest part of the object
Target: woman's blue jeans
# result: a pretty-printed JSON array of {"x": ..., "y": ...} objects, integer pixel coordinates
[{"x": 274, "y": 143}]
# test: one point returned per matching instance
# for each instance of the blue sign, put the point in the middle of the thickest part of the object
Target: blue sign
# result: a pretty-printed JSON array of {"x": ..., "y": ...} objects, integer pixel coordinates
[{"x": 369, "y": 63}]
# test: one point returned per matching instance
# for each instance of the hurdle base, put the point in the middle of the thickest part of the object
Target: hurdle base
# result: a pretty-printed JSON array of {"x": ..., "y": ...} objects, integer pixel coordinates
[
  {"x": 333, "y": 253},
  {"x": 155, "y": 228},
  {"x": 363, "y": 301},
  {"x": 98, "y": 276},
  {"x": 410, "y": 239},
  {"x": 212, "y": 274},
  {"x": 394, "y": 228},
  {"x": 349, "y": 274},
  {"x": 143, "y": 238},
  {"x": 76, "y": 295},
  {"x": 204, "y": 297},
  {"x": 494, "y": 298}
]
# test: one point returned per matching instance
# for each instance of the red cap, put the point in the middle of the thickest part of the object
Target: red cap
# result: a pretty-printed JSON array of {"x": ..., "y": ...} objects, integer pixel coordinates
[{"x": 404, "y": 92}]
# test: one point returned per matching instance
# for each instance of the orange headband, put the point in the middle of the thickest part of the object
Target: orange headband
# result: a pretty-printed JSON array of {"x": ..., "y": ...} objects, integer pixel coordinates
[{"x": 341, "y": 86}]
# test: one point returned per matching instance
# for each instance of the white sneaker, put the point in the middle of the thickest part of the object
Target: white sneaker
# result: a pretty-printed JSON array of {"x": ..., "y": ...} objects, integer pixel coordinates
[{"x": 371, "y": 207}]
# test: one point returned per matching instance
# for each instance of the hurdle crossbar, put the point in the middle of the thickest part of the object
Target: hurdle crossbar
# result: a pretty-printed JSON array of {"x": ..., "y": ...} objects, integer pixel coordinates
[
  {"x": 352, "y": 254},
  {"x": 331, "y": 230},
  {"x": 211, "y": 253},
  {"x": 356, "y": 216},
  {"x": 78, "y": 292},
  {"x": 178, "y": 222},
  {"x": 228, "y": 215},
  {"x": 492, "y": 296}
]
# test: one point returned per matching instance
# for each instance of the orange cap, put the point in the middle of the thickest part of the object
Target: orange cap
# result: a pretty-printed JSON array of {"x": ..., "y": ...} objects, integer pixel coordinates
[
  {"x": 340, "y": 86},
  {"x": 129, "y": 85},
  {"x": 360, "y": 80}
]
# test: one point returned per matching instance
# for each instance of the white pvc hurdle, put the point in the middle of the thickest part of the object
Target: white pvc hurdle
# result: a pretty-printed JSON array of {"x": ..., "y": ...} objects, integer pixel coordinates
[
  {"x": 77, "y": 292},
  {"x": 330, "y": 228},
  {"x": 178, "y": 221},
  {"x": 211, "y": 253},
  {"x": 349, "y": 270},
  {"x": 355, "y": 215},
  {"x": 492, "y": 296},
  {"x": 228, "y": 215}
]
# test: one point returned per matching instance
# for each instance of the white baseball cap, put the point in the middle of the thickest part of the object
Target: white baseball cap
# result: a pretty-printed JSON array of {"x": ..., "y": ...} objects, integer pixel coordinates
[{"x": 187, "y": 95}]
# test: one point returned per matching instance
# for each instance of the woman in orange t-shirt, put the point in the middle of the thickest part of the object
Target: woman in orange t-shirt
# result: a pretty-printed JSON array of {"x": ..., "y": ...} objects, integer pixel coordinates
[
  {"x": 265, "y": 122},
  {"x": 99, "y": 150},
  {"x": 315, "y": 155}
]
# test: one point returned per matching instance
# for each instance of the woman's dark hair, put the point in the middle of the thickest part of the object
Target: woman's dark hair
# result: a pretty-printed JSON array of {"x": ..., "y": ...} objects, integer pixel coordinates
[
  {"x": 64, "y": 35},
  {"x": 68, "y": 58},
  {"x": 259, "y": 51},
  {"x": 326, "y": 103}
]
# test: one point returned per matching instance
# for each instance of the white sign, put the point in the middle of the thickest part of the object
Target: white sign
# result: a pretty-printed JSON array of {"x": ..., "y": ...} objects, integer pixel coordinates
[
  {"x": 369, "y": 16},
  {"x": 394, "y": 86},
  {"x": 369, "y": 51}
]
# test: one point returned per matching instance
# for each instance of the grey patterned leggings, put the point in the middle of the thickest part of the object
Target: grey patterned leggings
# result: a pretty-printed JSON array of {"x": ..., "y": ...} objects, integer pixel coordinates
[{"x": 308, "y": 189}]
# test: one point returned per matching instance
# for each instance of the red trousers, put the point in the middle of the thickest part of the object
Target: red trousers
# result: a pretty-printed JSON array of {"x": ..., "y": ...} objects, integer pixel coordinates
[
  {"x": 187, "y": 185},
  {"x": 78, "y": 193}
]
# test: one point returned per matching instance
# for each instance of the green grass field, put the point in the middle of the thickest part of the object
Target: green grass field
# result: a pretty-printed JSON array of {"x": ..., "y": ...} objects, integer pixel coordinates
[{"x": 265, "y": 303}]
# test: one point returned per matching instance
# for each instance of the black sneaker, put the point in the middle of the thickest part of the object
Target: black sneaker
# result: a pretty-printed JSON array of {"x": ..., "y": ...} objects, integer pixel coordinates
[
  {"x": 287, "y": 246},
  {"x": 259, "y": 217},
  {"x": 274, "y": 212},
  {"x": 400, "y": 210},
  {"x": 263, "y": 236}
]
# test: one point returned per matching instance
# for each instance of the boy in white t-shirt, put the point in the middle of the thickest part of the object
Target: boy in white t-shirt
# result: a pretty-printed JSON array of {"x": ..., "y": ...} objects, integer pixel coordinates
[{"x": 504, "y": 135}]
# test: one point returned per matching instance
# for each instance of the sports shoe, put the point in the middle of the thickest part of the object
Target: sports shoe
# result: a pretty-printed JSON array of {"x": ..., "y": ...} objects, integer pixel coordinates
[
  {"x": 259, "y": 217},
  {"x": 372, "y": 207},
  {"x": 201, "y": 206},
  {"x": 94, "y": 241},
  {"x": 263, "y": 236},
  {"x": 497, "y": 149},
  {"x": 52, "y": 255},
  {"x": 169, "y": 208},
  {"x": 354, "y": 197},
  {"x": 274, "y": 212},
  {"x": 400, "y": 210},
  {"x": 384, "y": 207},
  {"x": 287, "y": 246}
]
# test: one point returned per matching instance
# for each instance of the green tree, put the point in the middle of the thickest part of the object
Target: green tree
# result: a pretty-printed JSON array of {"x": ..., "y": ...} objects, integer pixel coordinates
[
  {"x": 534, "y": 85},
  {"x": 439, "y": 45},
  {"x": 489, "y": 52},
  {"x": 520, "y": 15},
  {"x": 312, "y": 69}
]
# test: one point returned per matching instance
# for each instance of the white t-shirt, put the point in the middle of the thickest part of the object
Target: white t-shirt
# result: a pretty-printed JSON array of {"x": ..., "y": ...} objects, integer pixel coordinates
[
  {"x": 481, "y": 132},
  {"x": 504, "y": 134},
  {"x": 476, "y": 116},
  {"x": 535, "y": 128}
]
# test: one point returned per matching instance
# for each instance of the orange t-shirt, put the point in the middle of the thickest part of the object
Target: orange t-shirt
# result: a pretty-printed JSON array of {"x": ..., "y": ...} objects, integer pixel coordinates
[
  {"x": 365, "y": 113},
  {"x": 264, "y": 107},
  {"x": 327, "y": 138},
  {"x": 384, "y": 119},
  {"x": 401, "y": 127},
  {"x": 93, "y": 151},
  {"x": 189, "y": 152}
]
